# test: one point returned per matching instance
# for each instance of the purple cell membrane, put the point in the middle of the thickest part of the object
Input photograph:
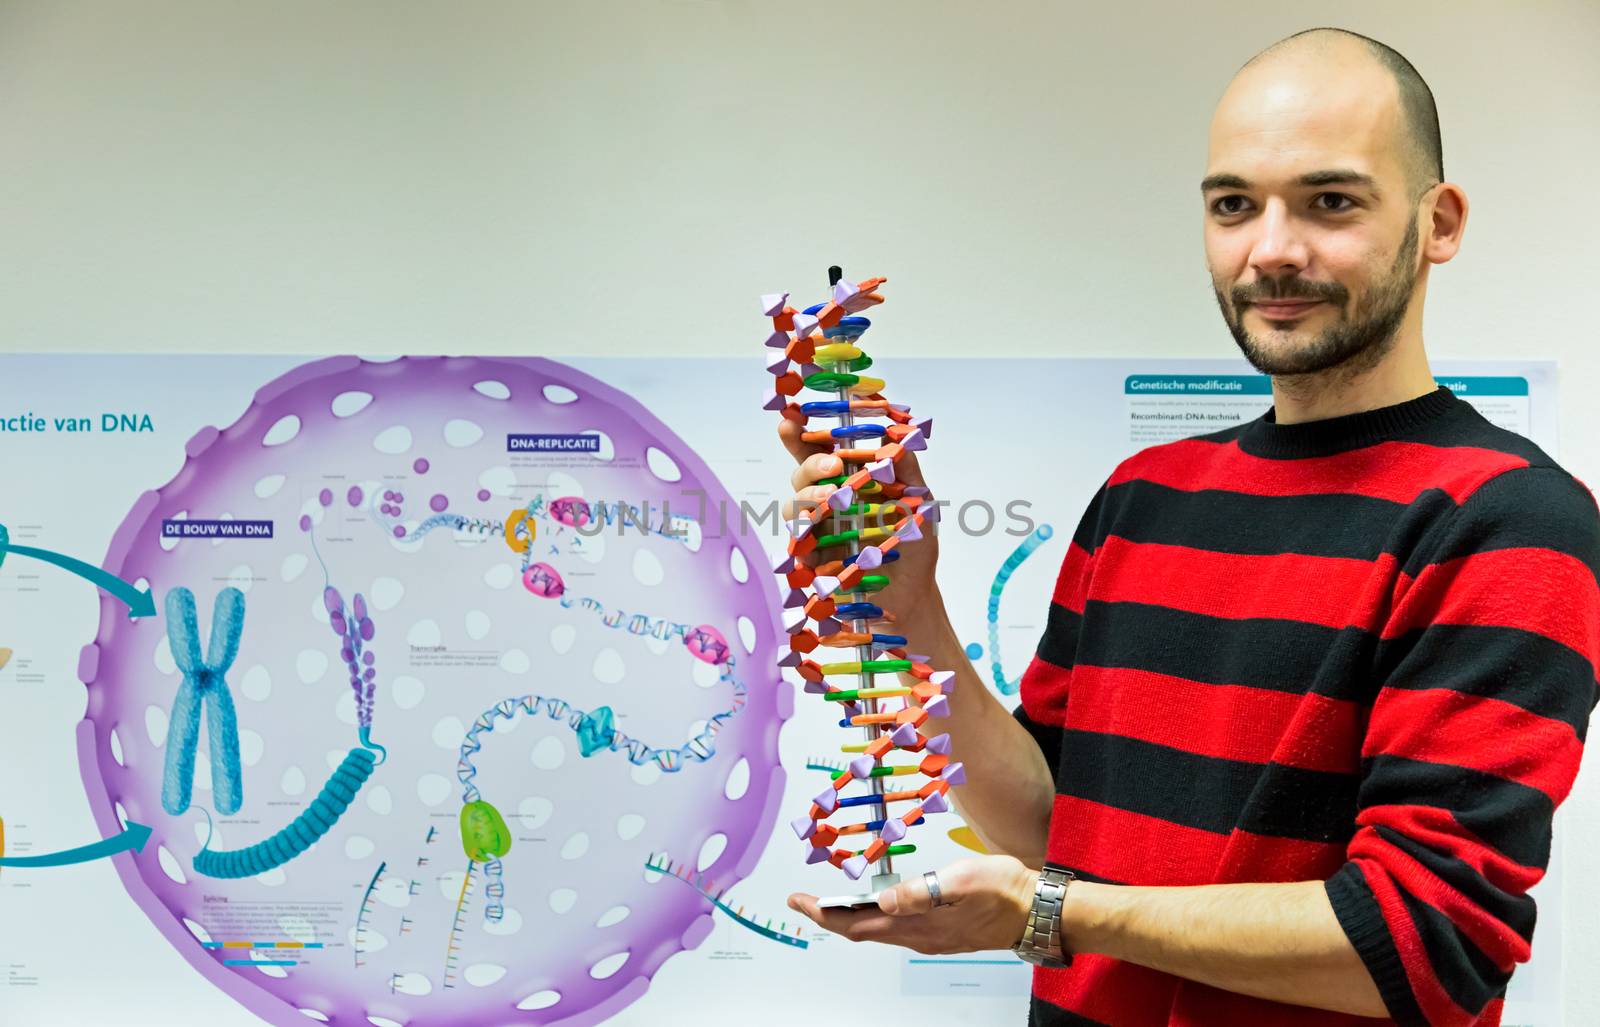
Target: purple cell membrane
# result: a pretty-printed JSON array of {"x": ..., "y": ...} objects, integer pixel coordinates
[{"x": 443, "y": 607}]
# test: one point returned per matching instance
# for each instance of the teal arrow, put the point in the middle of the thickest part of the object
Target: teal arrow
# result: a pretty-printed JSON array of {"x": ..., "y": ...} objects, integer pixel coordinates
[
  {"x": 132, "y": 837},
  {"x": 140, "y": 604}
]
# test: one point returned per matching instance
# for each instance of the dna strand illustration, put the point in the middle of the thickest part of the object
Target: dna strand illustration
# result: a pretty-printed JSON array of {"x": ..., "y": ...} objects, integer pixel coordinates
[{"x": 867, "y": 517}]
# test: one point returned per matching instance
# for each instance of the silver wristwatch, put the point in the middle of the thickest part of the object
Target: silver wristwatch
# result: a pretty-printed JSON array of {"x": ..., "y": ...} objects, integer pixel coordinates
[{"x": 1041, "y": 938}]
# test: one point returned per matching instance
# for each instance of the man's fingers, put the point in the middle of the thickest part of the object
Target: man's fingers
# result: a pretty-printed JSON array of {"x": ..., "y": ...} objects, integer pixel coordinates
[
  {"x": 816, "y": 466},
  {"x": 908, "y": 898},
  {"x": 790, "y": 431},
  {"x": 809, "y": 498}
]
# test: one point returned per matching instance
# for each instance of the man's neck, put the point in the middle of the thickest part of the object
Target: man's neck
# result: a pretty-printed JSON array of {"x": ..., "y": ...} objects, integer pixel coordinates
[{"x": 1403, "y": 374}]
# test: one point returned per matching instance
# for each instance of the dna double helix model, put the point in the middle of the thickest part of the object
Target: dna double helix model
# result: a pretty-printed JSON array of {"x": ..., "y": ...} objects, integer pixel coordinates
[{"x": 868, "y": 516}]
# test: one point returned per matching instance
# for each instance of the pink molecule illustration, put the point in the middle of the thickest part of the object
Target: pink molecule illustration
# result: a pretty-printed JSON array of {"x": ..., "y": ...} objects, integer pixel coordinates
[
  {"x": 543, "y": 581},
  {"x": 443, "y": 663}
]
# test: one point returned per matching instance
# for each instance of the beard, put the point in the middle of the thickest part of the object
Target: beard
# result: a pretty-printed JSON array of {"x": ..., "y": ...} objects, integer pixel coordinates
[{"x": 1357, "y": 340}]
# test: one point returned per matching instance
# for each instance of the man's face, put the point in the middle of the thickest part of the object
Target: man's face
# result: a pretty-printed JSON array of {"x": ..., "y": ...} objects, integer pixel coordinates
[{"x": 1310, "y": 223}]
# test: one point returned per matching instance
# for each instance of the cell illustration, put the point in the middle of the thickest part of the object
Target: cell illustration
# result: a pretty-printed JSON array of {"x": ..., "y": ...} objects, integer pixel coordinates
[{"x": 492, "y": 664}]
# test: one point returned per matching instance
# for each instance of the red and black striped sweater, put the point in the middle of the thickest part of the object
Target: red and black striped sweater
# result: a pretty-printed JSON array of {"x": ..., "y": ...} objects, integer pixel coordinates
[{"x": 1360, "y": 650}]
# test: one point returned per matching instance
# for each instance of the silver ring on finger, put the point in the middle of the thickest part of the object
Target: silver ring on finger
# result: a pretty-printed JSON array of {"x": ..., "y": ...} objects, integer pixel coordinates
[{"x": 931, "y": 879}]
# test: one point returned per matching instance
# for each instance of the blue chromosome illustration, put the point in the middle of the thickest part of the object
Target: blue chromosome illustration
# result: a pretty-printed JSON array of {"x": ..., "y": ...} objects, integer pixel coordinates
[
  {"x": 1007, "y": 686},
  {"x": 354, "y": 628},
  {"x": 204, "y": 683}
]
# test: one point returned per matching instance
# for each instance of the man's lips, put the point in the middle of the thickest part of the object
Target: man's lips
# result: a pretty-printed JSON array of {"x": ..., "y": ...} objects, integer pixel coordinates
[{"x": 1280, "y": 310}]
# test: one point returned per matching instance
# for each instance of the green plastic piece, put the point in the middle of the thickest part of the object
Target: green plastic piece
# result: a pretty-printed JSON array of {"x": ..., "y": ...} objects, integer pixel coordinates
[
  {"x": 871, "y": 583},
  {"x": 876, "y": 772},
  {"x": 484, "y": 834},
  {"x": 884, "y": 666},
  {"x": 830, "y": 380},
  {"x": 836, "y": 539}
]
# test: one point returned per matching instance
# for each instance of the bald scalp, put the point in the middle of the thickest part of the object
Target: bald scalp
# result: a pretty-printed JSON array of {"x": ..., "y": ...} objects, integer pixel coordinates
[{"x": 1421, "y": 149}]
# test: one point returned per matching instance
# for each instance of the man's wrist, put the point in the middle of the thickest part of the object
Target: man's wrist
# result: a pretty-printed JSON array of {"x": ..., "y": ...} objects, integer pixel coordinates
[{"x": 1043, "y": 939}]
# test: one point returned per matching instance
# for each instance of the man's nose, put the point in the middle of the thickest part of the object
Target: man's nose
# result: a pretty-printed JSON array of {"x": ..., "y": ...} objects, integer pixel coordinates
[{"x": 1279, "y": 246}]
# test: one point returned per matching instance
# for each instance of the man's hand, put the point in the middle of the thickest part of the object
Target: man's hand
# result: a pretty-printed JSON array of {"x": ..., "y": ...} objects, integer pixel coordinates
[
  {"x": 912, "y": 600},
  {"x": 986, "y": 904}
]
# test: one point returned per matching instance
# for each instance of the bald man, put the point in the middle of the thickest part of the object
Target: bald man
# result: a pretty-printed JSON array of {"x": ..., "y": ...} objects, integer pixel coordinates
[{"x": 1311, "y": 688}]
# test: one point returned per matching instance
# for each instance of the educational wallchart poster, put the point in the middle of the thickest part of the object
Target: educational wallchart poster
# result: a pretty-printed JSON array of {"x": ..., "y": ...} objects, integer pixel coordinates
[{"x": 443, "y": 691}]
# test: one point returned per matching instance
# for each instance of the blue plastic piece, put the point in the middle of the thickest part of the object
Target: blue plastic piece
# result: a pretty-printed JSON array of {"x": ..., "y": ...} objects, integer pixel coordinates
[
  {"x": 890, "y": 557},
  {"x": 860, "y": 431},
  {"x": 849, "y": 329},
  {"x": 858, "y": 611}
]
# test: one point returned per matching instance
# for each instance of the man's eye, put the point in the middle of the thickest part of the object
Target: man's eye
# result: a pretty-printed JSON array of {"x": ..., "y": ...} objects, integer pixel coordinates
[
  {"x": 1340, "y": 202},
  {"x": 1228, "y": 205}
]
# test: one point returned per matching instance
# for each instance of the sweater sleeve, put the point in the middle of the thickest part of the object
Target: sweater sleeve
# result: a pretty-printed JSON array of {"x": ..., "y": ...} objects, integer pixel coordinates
[
  {"x": 1044, "y": 684},
  {"x": 1485, "y": 678}
]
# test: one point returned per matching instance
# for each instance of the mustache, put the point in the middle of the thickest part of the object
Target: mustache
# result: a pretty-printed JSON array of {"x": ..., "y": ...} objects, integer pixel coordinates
[{"x": 1288, "y": 289}]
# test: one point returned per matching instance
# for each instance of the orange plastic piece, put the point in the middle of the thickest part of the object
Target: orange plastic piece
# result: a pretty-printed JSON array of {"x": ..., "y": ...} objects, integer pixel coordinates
[
  {"x": 876, "y": 850},
  {"x": 789, "y": 383},
  {"x": 829, "y": 315},
  {"x": 792, "y": 412},
  {"x": 801, "y": 577},
  {"x": 933, "y": 763},
  {"x": 921, "y": 671},
  {"x": 818, "y": 607},
  {"x": 924, "y": 690},
  {"x": 851, "y": 577},
  {"x": 802, "y": 545},
  {"x": 880, "y": 747},
  {"x": 801, "y": 351},
  {"x": 913, "y": 715},
  {"x": 845, "y": 639},
  {"x": 823, "y": 437},
  {"x": 893, "y": 451},
  {"x": 803, "y": 641},
  {"x": 858, "y": 479},
  {"x": 784, "y": 322},
  {"x": 810, "y": 670},
  {"x": 826, "y": 835}
]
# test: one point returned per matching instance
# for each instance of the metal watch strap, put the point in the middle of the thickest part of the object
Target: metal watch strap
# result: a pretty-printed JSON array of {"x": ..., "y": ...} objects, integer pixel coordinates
[{"x": 1041, "y": 938}]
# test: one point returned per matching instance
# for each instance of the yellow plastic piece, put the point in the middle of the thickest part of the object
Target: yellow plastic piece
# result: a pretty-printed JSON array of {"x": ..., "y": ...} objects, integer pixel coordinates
[
  {"x": 836, "y": 351},
  {"x": 865, "y": 386}
]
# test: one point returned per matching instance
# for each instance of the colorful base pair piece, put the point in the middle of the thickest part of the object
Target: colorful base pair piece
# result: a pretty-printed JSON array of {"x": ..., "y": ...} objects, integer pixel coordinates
[{"x": 868, "y": 516}]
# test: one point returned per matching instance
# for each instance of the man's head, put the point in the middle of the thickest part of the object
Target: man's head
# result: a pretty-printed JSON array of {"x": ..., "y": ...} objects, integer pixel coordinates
[{"x": 1322, "y": 177}]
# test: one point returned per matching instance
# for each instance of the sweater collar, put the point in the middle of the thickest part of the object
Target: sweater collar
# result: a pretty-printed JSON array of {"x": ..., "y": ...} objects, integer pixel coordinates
[{"x": 1266, "y": 437}]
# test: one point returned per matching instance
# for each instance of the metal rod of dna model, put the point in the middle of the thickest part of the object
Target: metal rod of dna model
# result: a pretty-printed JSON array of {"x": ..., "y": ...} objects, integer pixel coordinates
[{"x": 868, "y": 516}]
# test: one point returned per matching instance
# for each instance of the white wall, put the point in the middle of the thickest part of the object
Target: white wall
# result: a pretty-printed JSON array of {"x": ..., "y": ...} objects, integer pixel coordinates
[{"x": 612, "y": 177}]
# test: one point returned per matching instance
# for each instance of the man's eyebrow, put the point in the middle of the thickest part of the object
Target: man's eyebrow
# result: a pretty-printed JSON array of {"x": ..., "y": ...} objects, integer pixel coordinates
[{"x": 1332, "y": 176}]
